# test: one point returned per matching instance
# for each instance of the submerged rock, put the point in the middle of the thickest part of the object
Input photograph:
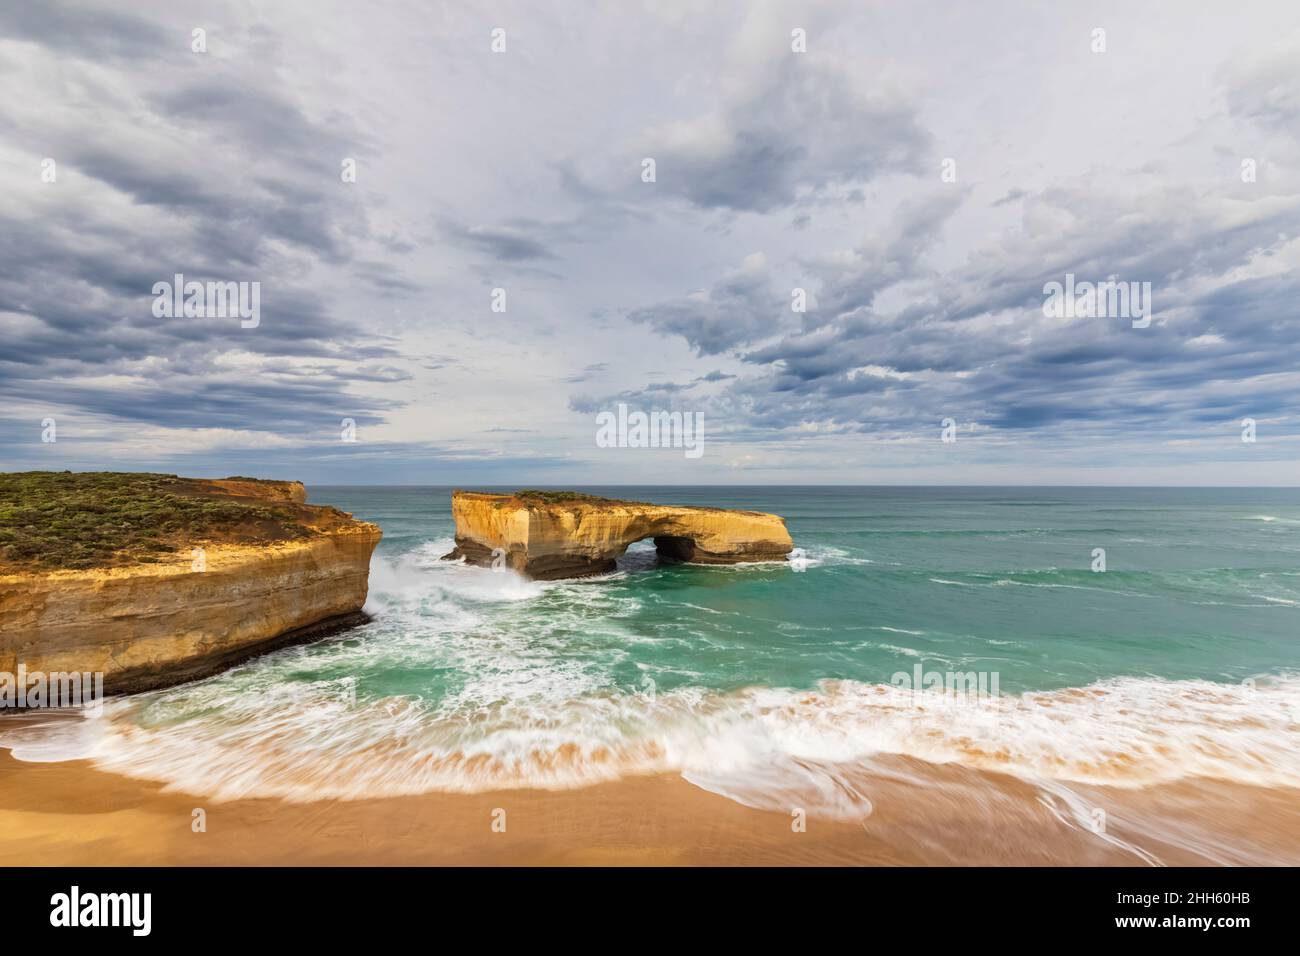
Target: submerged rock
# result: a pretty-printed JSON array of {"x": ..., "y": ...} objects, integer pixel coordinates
[{"x": 549, "y": 535}]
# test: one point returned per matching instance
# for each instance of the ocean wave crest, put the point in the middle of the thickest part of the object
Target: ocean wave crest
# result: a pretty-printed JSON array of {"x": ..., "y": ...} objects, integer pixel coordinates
[{"x": 760, "y": 746}]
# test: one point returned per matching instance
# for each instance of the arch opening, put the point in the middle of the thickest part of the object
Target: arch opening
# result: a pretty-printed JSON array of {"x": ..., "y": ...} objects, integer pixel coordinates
[
  {"x": 675, "y": 547},
  {"x": 655, "y": 550}
]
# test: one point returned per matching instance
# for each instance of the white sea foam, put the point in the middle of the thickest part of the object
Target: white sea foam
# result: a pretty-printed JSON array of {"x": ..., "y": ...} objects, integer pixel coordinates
[
  {"x": 552, "y": 727},
  {"x": 522, "y": 710},
  {"x": 906, "y": 651},
  {"x": 827, "y": 555}
]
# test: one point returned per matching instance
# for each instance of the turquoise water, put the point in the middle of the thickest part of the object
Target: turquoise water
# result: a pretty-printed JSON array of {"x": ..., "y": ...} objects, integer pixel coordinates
[
  {"x": 763, "y": 682},
  {"x": 1199, "y": 584}
]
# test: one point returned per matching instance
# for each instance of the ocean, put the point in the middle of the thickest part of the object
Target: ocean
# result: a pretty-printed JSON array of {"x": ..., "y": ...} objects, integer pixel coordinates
[{"x": 778, "y": 684}]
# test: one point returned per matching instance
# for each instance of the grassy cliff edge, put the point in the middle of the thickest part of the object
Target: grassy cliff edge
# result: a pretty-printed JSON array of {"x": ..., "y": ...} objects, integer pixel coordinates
[{"x": 78, "y": 520}]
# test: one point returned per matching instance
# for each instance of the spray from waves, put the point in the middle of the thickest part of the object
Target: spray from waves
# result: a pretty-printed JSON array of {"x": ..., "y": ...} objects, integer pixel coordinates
[
  {"x": 828, "y": 555},
  {"x": 505, "y": 699},
  {"x": 395, "y": 585},
  {"x": 763, "y": 747}
]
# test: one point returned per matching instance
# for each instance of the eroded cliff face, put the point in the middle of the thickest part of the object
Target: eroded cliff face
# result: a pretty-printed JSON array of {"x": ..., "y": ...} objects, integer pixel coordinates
[
  {"x": 290, "y": 491},
  {"x": 566, "y": 538},
  {"x": 151, "y": 625}
]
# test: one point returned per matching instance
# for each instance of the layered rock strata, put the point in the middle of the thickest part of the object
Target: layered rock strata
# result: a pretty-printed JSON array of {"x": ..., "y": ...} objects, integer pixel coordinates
[
  {"x": 548, "y": 535},
  {"x": 193, "y": 612}
]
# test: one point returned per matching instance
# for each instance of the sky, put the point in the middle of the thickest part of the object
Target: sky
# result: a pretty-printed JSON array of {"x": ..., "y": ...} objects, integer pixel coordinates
[{"x": 502, "y": 269}]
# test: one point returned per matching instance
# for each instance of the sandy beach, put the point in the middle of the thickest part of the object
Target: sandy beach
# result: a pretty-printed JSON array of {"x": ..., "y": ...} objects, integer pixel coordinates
[{"x": 72, "y": 814}]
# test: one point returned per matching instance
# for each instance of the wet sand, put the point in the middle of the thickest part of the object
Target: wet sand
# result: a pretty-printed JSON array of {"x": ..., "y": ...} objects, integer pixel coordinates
[{"x": 72, "y": 814}]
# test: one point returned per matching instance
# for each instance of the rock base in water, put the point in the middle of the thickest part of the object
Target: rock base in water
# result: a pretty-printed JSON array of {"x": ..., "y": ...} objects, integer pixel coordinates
[
  {"x": 551, "y": 535},
  {"x": 274, "y": 571}
]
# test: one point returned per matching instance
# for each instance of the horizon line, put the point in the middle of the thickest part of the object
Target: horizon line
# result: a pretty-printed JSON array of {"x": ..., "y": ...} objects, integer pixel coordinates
[{"x": 601, "y": 484}]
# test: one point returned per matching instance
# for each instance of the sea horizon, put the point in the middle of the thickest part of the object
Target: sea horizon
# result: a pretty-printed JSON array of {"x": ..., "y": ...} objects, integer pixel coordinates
[
  {"x": 577, "y": 486},
  {"x": 655, "y": 434},
  {"x": 1162, "y": 622}
]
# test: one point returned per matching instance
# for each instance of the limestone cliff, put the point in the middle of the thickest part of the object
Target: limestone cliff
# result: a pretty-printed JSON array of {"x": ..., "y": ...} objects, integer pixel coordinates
[
  {"x": 286, "y": 573},
  {"x": 551, "y": 535}
]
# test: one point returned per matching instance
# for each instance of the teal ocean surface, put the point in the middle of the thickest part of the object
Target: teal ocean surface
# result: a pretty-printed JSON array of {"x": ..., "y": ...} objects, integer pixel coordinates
[{"x": 763, "y": 682}]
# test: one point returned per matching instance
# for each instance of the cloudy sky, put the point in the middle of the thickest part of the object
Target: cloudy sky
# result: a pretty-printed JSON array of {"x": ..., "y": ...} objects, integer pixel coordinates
[{"x": 775, "y": 170}]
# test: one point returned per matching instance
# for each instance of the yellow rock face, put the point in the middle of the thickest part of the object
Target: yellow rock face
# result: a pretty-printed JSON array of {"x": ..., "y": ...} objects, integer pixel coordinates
[
  {"x": 292, "y": 491},
  {"x": 572, "y": 538},
  {"x": 150, "y": 625}
]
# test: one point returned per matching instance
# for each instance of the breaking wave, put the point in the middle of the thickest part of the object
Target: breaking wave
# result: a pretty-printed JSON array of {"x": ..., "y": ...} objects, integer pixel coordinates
[{"x": 467, "y": 681}]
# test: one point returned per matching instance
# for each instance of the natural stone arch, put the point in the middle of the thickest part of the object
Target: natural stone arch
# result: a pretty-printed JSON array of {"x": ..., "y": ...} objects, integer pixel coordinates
[{"x": 563, "y": 535}]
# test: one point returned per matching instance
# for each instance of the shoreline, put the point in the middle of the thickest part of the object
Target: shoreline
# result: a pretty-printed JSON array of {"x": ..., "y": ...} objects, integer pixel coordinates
[{"x": 71, "y": 814}]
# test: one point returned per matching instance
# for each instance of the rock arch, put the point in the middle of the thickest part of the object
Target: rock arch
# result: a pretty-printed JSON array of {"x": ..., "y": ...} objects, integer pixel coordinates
[{"x": 549, "y": 535}]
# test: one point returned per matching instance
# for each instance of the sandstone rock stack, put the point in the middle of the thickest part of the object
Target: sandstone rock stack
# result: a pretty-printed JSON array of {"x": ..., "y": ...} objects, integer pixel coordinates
[{"x": 548, "y": 535}]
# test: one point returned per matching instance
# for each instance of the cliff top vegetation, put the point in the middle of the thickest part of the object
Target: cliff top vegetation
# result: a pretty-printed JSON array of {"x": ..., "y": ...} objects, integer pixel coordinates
[{"x": 75, "y": 520}]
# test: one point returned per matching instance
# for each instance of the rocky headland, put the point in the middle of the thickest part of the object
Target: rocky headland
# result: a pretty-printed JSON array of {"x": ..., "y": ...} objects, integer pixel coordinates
[{"x": 153, "y": 579}]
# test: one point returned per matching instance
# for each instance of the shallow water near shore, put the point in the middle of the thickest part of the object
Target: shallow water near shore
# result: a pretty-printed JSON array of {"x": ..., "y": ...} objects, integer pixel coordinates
[{"x": 1176, "y": 670}]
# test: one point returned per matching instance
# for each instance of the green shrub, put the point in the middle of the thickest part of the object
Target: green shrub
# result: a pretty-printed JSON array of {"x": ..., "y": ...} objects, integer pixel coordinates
[{"x": 91, "y": 519}]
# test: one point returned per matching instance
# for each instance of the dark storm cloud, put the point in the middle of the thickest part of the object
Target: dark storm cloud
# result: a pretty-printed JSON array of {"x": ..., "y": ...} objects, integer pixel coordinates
[
  {"x": 739, "y": 308},
  {"x": 591, "y": 371},
  {"x": 287, "y": 405},
  {"x": 657, "y": 395},
  {"x": 891, "y": 253},
  {"x": 745, "y": 306},
  {"x": 82, "y": 31},
  {"x": 973, "y": 343},
  {"x": 500, "y": 243},
  {"x": 773, "y": 169},
  {"x": 385, "y": 279},
  {"x": 219, "y": 175},
  {"x": 520, "y": 240},
  {"x": 259, "y": 118},
  {"x": 805, "y": 125}
]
